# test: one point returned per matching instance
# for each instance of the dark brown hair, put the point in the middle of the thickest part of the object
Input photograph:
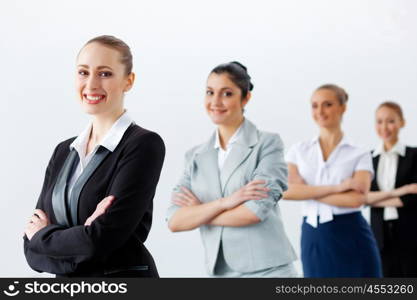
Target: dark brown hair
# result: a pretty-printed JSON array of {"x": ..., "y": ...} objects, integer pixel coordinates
[
  {"x": 394, "y": 106},
  {"x": 340, "y": 93},
  {"x": 116, "y": 44},
  {"x": 238, "y": 73}
]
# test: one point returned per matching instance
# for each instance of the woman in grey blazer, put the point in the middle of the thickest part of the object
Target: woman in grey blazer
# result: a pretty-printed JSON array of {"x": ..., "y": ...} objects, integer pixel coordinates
[{"x": 231, "y": 185}]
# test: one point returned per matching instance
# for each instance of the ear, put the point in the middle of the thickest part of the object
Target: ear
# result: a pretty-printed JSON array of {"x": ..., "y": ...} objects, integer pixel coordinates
[
  {"x": 343, "y": 108},
  {"x": 130, "y": 80},
  {"x": 402, "y": 123},
  {"x": 246, "y": 99}
]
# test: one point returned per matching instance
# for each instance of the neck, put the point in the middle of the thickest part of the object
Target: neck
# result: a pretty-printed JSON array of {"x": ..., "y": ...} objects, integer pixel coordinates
[
  {"x": 226, "y": 131},
  {"x": 102, "y": 124},
  {"x": 331, "y": 136},
  {"x": 389, "y": 144}
]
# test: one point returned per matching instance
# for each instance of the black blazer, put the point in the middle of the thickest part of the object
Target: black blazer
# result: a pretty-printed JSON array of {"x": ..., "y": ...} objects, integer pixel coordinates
[
  {"x": 113, "y": 243},
  {"x": 406, "y": 233}
]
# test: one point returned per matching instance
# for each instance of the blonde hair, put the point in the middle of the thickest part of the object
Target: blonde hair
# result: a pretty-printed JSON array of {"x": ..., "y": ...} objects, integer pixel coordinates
[
  {"x": 394, "y": 106},
  {"x": 116, "y": 44},
  {"x": 340, "y": 93}
]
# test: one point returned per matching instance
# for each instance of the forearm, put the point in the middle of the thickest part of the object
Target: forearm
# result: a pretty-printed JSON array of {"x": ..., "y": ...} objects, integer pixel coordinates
[
  {"x": 346, "y": 199},
  {"x": 235, "y": 217},
  {"x": 305, "y": 191},
  {"x": 374, "y": 197},
  {"x": 191, "y": 217},
  {"x": 390, "y": 202}
]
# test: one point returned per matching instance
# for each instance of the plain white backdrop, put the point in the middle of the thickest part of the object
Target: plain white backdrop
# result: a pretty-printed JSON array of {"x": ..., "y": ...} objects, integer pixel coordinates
[{"x": 290, "y": 47}]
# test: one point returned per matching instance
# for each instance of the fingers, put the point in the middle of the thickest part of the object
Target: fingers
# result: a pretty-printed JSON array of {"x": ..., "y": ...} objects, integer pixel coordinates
[
  {"x": 34, "y": 219},
  {"x": 180, "y": 202},
  {"x": 39, "y": 213},
  {"x": 105, "y": 203},
  {"x": 255, "y": 196},
  {"x": 185, "y": 200},
  {"x": 256, "y": 188},
  {"x": 187, "y": 192}
]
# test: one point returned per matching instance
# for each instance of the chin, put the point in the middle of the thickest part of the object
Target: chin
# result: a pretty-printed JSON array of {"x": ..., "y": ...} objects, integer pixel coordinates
[
  {"x": 218, "y": 120},
  {"x": 89, "y": 109}
]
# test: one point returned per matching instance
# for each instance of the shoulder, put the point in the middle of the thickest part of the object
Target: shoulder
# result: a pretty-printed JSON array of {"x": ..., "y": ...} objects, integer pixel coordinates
[
  {"x": 357, "y": 151},
  {"x": 301, "y": 146},
  {"x": 195, "y": 150},
  {"x": 136, "y": 136},
  {"x": 269, "y": 139},
  {"x": 64, "y": 146},
  {"x": 411, "y": 151}
]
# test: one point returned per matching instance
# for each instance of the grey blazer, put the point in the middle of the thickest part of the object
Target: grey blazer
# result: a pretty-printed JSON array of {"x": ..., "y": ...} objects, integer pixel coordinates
[{"x": 255, "y": 155}]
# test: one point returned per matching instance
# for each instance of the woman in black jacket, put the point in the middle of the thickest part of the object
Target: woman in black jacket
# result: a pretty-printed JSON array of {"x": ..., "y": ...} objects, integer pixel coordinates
[
  {"x": 95, "y": 209},
  {"x": 393, "y": 195}
]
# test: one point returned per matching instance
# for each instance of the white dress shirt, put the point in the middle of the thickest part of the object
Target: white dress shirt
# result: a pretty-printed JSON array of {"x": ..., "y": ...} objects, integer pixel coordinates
[
  {"x": 223, "y": 154},
  {"x": 344, "y": 160},
  {"x": 387, "y": 171},
  {"x": 110, "y": 142}
]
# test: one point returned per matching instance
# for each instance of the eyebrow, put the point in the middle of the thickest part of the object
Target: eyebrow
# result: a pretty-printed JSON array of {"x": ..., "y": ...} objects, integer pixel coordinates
[
  {"x": 98, "y": 68},
  {"x": 223, "y": 88}
]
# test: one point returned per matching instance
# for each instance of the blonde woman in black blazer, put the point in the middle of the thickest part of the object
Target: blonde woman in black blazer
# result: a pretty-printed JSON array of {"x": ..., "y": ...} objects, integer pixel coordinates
[
  {"x": 394, "y": 195},
  {"x": 74, "y": 232}
]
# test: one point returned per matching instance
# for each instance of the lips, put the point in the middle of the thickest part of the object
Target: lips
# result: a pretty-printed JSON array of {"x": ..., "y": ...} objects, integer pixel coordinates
[
  {"x": 94, "y": 98},
  {"x": 218, "y": 111}
]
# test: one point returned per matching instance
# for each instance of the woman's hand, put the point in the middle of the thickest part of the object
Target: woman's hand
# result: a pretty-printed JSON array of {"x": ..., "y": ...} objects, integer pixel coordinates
[
  {"x": 100, "y": 209},
  {"x": 254, "y": 190},
  {"x": 405, "y": 189},
  {"x": 186, "y": 198},
  {"x": 37, "y": 221}
]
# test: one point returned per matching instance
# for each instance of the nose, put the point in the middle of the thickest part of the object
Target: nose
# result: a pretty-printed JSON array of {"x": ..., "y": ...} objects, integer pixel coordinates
[
  {"x": 320, "y": 110},
  {"x": 92, "y": 82},
  {"x": 216, "y": 99}
]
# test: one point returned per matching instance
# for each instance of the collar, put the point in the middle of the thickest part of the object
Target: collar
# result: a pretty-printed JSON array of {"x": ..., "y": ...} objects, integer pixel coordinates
[
  {"x": 345, "y": 141},
  {"x": 248, "y": 137},
  {"x": 398, "y": 148},
  {"x": 231, "y": 141},
  {"x": 110, "y": 140}
]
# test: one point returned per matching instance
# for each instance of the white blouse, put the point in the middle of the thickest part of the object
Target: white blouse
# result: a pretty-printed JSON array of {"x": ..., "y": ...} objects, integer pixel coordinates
[
  {"x": 223, "y": 154},
  {"x": 344, "y": 160},
  {"x": 386, "y": 173},
  {"x": 110, "y": 142}
]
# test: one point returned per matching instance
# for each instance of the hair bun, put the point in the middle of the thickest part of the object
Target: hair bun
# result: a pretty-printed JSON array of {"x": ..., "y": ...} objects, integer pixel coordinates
[{"x": 240, "y": 65}]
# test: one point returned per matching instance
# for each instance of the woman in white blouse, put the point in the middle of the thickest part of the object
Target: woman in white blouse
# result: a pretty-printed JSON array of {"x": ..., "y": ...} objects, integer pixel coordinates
[
  {"x": 394, "y": 195},
  {"x": 333, "y": 176}
]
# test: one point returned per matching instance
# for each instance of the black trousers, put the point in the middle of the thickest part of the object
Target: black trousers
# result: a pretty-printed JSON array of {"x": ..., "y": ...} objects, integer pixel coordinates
[{"x": 396, "y": 261}]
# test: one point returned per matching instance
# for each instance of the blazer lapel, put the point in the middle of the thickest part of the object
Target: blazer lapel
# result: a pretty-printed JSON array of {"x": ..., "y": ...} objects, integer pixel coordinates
[
  {"x": 374, "y": 185},
  {"x": 401, "y": 170},
  {"x": 95, "y": 161},
  {"x": 59, "y": 194},
  {"x": 240, "y": 151}
]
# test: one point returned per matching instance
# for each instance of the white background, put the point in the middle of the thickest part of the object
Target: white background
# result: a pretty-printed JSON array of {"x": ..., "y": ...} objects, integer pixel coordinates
[{"x": 290, "y": 48}]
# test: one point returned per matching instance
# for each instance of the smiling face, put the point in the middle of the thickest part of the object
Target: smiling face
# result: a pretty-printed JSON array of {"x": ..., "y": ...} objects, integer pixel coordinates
[
  {"x": 101, "y": 80},
  {"x": 223, "y": 101},
  {"x": 388, "y": 124},
  {"x": 327, "y": 111}
]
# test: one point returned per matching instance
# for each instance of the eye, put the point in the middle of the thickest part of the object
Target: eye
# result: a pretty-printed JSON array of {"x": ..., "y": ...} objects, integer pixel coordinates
[
  {"x": 209, "y": 93},
  {"x": 82, "y": 72},
  {"x": 227, "y": 94},
  {"x": 105, "y": 74},
  {"x": 314, "y": 105},
  {"x": 328, "y": 104}
]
